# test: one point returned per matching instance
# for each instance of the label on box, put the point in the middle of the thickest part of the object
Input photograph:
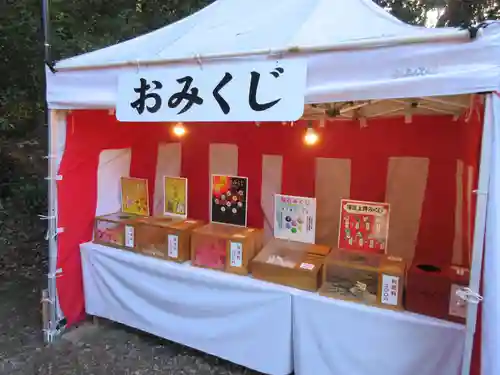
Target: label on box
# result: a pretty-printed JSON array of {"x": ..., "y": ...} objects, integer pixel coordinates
[
  {"x": 458, "y": 307},
  {"x": 307, "y": 266},
  {"x": 173, "y": 246},
  {"x": 390, "y": 290},
  {"x": 236, "y": 254},
  {"x": 129, "y": 236}
]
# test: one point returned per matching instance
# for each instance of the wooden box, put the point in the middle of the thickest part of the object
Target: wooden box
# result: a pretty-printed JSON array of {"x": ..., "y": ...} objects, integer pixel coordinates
[
  {"x": 370, "y": 278},
  {"x": 224, "y": 247},
  {"x": 165, "y": 237},
  {"x": 431, "y": 291},
  {"x": 290, "y": 263},
  {"x": 115, "y": 230}
]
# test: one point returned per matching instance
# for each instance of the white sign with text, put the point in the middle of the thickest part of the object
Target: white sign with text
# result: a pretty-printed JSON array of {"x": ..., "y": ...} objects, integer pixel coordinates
[{"x": 239, "y": 91}]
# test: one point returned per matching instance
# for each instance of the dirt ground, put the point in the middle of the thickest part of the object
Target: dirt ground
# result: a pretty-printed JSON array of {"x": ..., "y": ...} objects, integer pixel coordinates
[{"x": 89, "y": 350}]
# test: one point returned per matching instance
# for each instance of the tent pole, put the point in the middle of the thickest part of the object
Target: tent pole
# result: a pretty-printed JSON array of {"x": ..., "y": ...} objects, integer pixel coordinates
[
  {"x": 479, "y": 233},
  {"x": 49, "y": 297},
  {"x": 52, "y": 224}
]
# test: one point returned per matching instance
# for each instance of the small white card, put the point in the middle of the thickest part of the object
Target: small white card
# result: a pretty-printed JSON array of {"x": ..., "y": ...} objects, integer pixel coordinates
[
  {"x": 173, "y": 246},
  {"x": 307, "y": 266},
  {"x": 390, "y": 290},
  {"x": 236, "y": 254},
  {"x": 129, "y": 236}
]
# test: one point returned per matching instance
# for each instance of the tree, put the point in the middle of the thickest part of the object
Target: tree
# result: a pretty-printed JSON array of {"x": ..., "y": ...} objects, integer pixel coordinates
[
  {"x": 454, "y": 12},
  {"x": 461, "y": 12}
]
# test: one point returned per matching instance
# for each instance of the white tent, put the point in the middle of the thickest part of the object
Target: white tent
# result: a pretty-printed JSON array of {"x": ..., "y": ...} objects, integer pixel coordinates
[
  {"x": 443, "y": 62},
  {"x": 355, "y": 51}
]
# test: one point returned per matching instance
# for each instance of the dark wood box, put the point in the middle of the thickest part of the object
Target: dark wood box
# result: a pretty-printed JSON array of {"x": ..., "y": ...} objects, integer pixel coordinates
[{"x": 431, "y": 290}]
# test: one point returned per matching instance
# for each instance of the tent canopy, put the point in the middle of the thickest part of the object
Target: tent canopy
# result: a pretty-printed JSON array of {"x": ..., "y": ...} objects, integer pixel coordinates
[
  {"x": 240, "y": 27},
  {"x": 337, "y": 37}
]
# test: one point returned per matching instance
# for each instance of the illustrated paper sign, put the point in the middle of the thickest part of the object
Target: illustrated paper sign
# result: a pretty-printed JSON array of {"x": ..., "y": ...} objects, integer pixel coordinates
[
  {"x": 295, "y": 218},
  {"x": 175, "y": 196},
  {"x": 229, "y": 200},
  {"x": 244, "y": 91},
  {"x": 363, "y": 225},
  {"x": 135, "y": 197}
]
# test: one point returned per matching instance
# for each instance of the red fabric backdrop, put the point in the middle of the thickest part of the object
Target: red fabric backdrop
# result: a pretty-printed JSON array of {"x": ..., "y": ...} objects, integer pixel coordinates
[{"x": 440, "y": 139}]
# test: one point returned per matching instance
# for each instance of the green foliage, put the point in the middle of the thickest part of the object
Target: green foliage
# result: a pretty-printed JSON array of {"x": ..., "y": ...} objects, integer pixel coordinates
[
  {"x": 105, "y": 22},
  {"x": 455, "y": 12},
  {"x": 21, "y": 93}
]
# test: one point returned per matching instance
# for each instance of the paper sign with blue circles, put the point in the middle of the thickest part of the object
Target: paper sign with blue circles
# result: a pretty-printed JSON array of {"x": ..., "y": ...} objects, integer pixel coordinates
[{"x": 295, "y": 218}]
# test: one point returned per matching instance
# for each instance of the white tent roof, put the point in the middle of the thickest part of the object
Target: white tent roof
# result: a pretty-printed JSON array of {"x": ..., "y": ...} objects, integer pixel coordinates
[
  {"x": 242, "y": 26},
  {"x": 355, "y": 51}
]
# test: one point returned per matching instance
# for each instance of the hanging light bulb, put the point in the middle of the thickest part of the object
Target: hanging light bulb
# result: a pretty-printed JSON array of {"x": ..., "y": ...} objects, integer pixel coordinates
[
  {"x": 311, "y": 137},
  {"x": 179, "y": 130}
]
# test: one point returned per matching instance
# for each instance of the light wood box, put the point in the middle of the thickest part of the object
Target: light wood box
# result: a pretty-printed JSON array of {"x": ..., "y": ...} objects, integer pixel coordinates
[
  {"x": 115, "y": 230},
  {"x": 290, "y": 263},
  {"x": 369, "y": 278},
  {"x": 165, "y": 237},
  {"x": 224, "y": 247}
]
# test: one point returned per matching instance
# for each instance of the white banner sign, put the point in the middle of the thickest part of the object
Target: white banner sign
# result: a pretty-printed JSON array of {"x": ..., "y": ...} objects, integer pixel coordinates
[
  {"x": 245, "y": 91},
  {"x": 295, "y": 218}
]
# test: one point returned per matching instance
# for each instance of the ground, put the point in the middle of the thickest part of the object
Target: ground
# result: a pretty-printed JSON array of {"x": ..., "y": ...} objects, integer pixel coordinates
[
  {"x": 107, "y": 349},
  {"x": 89, "y": 350}
]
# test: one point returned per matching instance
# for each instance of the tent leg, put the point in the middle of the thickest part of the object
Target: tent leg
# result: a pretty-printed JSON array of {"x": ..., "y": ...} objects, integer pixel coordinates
[
  {"x": 479, "y": 233},
  {"x": 50, "y": 300}
]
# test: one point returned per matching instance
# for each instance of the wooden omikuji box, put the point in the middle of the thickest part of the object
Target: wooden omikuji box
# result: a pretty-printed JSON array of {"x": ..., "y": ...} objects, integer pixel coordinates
[
  {"x": 224, "y": 247},
  {"x": 116, "y": 230},
  {"x": 431, "y": 291},
  {"x": 164, "y": 237},
  {"x": 290, "y": 263},
  {"x": 370, "y": 278}
]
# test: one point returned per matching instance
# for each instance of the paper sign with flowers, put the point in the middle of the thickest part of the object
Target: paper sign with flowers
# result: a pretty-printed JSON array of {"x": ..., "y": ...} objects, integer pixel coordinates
[{"x": 135, "y": 197}]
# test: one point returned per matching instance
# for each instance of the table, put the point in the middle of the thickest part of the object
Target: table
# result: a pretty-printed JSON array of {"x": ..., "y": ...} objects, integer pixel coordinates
[
  {"x": 240, "y": 319},
  {"x": 332, "y": 337},
  {"x": 251, "y": 322}
]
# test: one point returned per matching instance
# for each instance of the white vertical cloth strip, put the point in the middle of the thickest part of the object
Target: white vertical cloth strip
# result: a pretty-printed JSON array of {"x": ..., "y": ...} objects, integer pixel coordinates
[
  {"x": 272, "y": 173},
  {"x": 168, "y": 163},
  {"x": 333, "y": 183},
  {"x": 470, "y": 184},
  {"x": 113, "y": 164},
  {"x": 479, "y": 230},
  {"x": 57, "y": 143},
  {"x": 405, "y": 191},
  {"x": 491, "y": 307},
  {"x": 224, "y": 161},
  {"x": 458, "y": 241}
]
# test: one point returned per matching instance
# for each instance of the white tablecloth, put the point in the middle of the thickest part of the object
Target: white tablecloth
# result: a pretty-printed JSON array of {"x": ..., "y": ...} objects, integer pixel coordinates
[
  {"x": 249, "y": 322},
  {"x": 333, "y": 337},
  {"x": 240, "y": 319}
]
